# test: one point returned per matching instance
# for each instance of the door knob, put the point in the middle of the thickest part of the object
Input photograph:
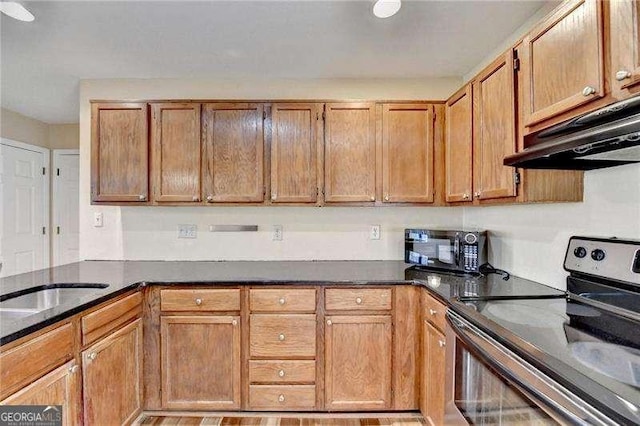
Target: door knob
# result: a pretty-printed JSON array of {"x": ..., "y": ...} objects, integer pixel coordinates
[
  {"x": 465, "y": 196},
  {"x": 281, "y": 337},
  {"x": 281, "y": 398},
  {"x": 588, "y": 91},
  {"x": 73, "y": 369},
  {"x": 359, "y": 300},
  {"x": 329, "y": 322},
  {"x": 622, "y": 75},
  {"x": 142, "y": 197},
  {"x": 195, "y": 198},
  {"x": 281, "y": 373},
  {"x": 209, "y": 198},
  {"x": 92, "y": 356},
  {"x": 386, "y": 198},
  {"x": 282, "y": 301},
  {"x": 441, "y": 343},
  {"x": 433, "y": 311},
  {"x": 198, "y": 302}
]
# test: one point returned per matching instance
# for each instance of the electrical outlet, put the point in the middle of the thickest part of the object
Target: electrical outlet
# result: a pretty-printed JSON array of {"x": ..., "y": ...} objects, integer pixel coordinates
[
  {"x": 374, "y": 233},
  {"x": 277, "y": 233},
  {"x": 187, "y": 231},
  {"x": 98, "y": 220}
]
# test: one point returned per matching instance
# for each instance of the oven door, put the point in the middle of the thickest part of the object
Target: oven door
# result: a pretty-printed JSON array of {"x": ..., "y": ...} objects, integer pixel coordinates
[{"x": 487, "y": 384}]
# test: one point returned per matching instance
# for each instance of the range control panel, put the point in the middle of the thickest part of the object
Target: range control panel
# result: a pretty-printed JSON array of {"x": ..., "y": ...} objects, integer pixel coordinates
[{"x": 608, "y": 258}]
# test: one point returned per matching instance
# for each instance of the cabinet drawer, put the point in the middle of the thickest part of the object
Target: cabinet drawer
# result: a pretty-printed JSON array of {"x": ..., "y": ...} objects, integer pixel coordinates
[
  {"x": 200, "y": 300},
  {"x": 358, "y": 299},
  {"x": 282, "y": 371},
  {"x": 25, "y": 363},
  {"x": 112, "y": 316},
  {"x": 282, "y": 336},
  {"x": 282, "y": 397},
  {"x": 434, "y": 311},
  {"x": 283, "y": 300}
]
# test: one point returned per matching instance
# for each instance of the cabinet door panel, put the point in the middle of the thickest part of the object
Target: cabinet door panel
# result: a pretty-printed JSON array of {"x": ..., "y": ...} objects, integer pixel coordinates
[
  {"x": 625, "y": 47},
  {"x": 459, "y": 146},
  {"x": 176, "y": 152},
  {"x": 350, "y": 152},
  {"x": 112, "y": 377},
  {"x": 358, "y": 362},
  {"x": 59, "y": 387},
  {"x": 563, "y": 57},
  {"x": 119, "y": 152},
  {"x": 200, "y": 358},
  {"x": 294, "y": 156},
  {"x": 234, "y": 149},
  {"x": 495, "y": 130},
  {"x": 435, "y": 403},
  {"x": 407, "y": 153}
]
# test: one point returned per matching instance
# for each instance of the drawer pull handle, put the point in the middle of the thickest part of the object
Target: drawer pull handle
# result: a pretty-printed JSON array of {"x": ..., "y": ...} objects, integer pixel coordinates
[
  {"x": 281, "y": 337},
  {"x": 433, "y": 311},
  {"x": 282, "y": 301},
  {"x": 441, "y": 343},
  {"x": 73, "y": 369},
  {"x": 198, "y": 301},
  {"x": 281, "y": 398},
  {"x": 281, "y": 373},
  {"x": 92, "y": 356},
  {"x": 329, "y": 322},
  {"x": 359, "y": 300}
]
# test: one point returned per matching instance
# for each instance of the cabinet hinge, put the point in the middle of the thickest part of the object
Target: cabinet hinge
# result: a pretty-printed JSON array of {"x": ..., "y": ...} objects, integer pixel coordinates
[
  {"x": 264, "y": 115},
  {"x": 317, "y": 116},
  {"x": 324, "y": 115},
  {"x": 44, "y": 171},
  {"x": 57, "y": 172},
  {"x": 516, "y": 64},
  {"x": 44, "y": 230},
  {"x": 516, "y": 177},
  {"x": 58, "y": 230}
]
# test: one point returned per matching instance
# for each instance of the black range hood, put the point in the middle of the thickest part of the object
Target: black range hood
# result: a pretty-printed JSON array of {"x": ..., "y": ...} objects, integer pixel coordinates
[{"x": 604, "y": 138}]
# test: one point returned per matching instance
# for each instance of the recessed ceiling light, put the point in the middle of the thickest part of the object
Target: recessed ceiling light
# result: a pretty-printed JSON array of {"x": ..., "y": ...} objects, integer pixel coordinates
[
  {"x": 16, "y": 11},
  {"x": 386, "y": 8}
]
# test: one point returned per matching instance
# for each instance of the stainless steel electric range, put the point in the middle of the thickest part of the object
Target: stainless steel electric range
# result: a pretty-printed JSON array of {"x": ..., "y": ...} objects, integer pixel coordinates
[{"x": 571, "y": 360}]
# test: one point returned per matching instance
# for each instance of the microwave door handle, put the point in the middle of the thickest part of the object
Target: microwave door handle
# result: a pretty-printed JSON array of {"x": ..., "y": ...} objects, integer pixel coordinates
[
  {"x": 456, "y": 249},
  {"x": 558, "y": 401}
]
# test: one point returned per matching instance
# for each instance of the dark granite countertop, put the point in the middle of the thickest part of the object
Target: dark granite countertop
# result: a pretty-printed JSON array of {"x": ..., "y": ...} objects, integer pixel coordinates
[{"x": 122, "y": 276}]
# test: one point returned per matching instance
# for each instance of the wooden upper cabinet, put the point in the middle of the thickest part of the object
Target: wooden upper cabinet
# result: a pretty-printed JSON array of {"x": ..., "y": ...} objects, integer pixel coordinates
[
  {"x": 358, "y": 362},
  {"x": 494, "y": 129},
  {"x": 350, "y": 152},
  {"x": 407, "y": 153},
  {"x": 294, "y": 152},
  {"x": 625, "y": 47},
  {"x": 234, "y": 146},
  {"x": 563, "y": 61},
  {"x": 459, "y": 146},
  {"x": 119, "y": 152},
  {"x": 175, "y": 152}
]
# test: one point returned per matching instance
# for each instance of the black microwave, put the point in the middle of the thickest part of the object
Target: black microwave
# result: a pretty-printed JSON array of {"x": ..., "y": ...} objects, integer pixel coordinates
[{"x": 453, "y": 251}]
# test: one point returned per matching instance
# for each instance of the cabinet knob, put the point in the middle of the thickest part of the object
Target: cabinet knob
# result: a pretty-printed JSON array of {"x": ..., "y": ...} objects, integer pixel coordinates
[
  {"x": 623, "y": 75},
  {"x": 195, "y": 198},
  {"x": 73, "y": 369},
  {"x": 329, "y": 322},
  {"x": 92, "y": 356},
  {"x": 433, "y": 311},
  {"x": 281, "y": 398},
  {"x": 465, "y": 196},
  {"x": 209, "y": 198},
  {"x": 234, "y": 322},
  {"x": 281, "y": 373},
  {"x": 477, "y": 194},
  {"x": 441, "y": 343},
  {"x": 142, "y": 197},
  {"x": 281, "y": 337},
  {"x": 359, "y": 300},
  {"x": 588, "y": 91},
  {"x": 198, "y": 302},
  {"x": 282, "y": 301},
  {"x": 386, "y": 198},
  {"x": 274, "y": 196},
  {"x": 372, "y": 198}
]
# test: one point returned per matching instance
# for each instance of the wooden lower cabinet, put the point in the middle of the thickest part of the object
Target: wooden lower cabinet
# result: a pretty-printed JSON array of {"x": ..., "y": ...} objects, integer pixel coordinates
[
  {"x": 59, "y": 387},
  {"x": 200, "y": 358},
  {"x": 282, "y": 397},
  {"x": 358, "y": 362},
  {"x": 433, "y": 374},
  {"x": 112, "y": 377}
]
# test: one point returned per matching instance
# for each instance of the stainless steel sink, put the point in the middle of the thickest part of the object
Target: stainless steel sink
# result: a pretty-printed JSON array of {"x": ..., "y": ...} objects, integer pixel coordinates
[{"x": 24, "y": 303}]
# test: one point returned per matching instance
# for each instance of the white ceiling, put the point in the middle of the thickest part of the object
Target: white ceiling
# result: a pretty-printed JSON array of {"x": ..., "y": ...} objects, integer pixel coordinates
[{"x": 43, "y": 61}]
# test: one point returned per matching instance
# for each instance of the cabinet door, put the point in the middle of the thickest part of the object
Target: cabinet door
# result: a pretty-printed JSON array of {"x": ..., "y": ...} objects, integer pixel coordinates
[
  {"x": 176, "y": 152},
  {"x": 294, "y": 153},
  {"x": 625, "y": 47},
  {"x": 350, "y": 152},
  {"x": 407, "y": 153},
  {"x": 494, "y": 130},
  {"x": 459, "y": 146},
  {"x": 119, "y": 152},
  {"x": 59, "y": 387},
  {"x": 234, "y": 152},
  {"x": 200, "y": 358},
  {"x": 112, "y": 377},
  {"x": 563, "y": 61},
  {"x": 433, "y": 375},
  {"x": 358, "y": 362}
]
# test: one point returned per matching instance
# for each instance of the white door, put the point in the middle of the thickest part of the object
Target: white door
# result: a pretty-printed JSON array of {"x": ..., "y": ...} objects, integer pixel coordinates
[
  {"x": 24, "y": 243},
  {"x": 66, "y": 186}
]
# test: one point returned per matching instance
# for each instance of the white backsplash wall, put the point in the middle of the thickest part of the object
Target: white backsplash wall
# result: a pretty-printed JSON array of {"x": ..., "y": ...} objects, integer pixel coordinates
[{"x": 530, "y": 240}]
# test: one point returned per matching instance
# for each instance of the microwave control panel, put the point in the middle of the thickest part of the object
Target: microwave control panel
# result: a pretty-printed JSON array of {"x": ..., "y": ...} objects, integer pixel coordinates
[{"x": 470, "y": 253}]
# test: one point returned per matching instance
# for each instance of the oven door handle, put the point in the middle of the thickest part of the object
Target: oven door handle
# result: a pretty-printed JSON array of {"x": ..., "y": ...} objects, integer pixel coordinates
[{"x": 560, "y": 403}]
